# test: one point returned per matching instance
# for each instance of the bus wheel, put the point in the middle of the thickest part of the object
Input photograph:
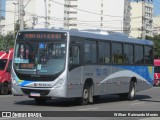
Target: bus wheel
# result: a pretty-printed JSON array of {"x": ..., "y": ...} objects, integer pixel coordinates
[
  {"x": 131, "y": 94},
  {"x": 40, "y": 100},
  {"x": 84, "y": 100},
  {"x": 85, "y": 95},
  {"x": 5, "y": 89},
  {"x": 132, "y": 90}
]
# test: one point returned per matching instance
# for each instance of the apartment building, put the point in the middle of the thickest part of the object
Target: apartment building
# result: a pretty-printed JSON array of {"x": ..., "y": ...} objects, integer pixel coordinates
[
  {"x": 156, "y": 25},
  {"x": 141, "y": 19},
  {"x": 111, "y": 15}
]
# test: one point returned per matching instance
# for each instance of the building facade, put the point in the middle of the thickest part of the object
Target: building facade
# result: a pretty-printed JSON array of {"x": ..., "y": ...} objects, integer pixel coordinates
[
  {"x": 156, "y": 25},
  {"x": 141, "y": 19},
  {"x": 111, "y": 15}
]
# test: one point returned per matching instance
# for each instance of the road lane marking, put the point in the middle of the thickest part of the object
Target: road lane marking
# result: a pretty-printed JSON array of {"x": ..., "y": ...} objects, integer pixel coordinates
[
  {"x": 138, "y": 103},
  {"x": 86, "y": 109}
]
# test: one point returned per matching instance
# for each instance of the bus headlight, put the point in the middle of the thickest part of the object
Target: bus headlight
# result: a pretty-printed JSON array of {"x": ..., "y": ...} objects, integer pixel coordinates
[
  {"x": 14, "y": 80},
  {"x": 59, "y": 83}
]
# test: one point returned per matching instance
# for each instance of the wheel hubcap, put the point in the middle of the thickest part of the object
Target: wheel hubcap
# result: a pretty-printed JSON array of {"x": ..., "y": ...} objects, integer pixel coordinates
[
  {"x": 85, "y": 94},
  {"x": 132, "y": 92}
]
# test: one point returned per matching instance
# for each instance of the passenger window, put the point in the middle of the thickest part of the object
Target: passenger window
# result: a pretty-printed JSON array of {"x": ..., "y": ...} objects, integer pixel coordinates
[
  {"x": 128, "y": 54},
  {"x": 117, "y": 53},
  {"x": 139, "y": 56},
  {"x": 148, "y": 55},
  {"x": 74, "y": 55},
  {"x": 90, "y": 52},
  {"x": 104, "y": 52}
]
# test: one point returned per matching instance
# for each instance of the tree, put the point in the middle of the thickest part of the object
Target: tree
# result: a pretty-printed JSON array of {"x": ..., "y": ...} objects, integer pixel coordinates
[
  {"x": 156, "y": 40},
  {"x": 7, "y": 41},
  {"x": 17, "y": 27}
]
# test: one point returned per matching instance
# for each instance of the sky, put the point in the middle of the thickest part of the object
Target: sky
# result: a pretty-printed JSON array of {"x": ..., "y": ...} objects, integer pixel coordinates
[
  {"x": 156, "y": 7},
  {"x": 2, "y": 7},
  {"x": 155, "y": 2}
]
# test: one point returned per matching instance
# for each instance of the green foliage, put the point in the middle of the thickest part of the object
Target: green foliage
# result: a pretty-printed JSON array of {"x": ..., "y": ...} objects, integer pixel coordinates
[
  {"x": 156, "y": 40},
  {"x": 6, "y": 42},
  {"x": 17, "y": 27}
]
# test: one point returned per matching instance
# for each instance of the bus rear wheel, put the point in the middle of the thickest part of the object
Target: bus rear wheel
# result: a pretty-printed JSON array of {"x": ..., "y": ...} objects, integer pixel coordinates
[
  {"x": 132, "y": 91},
  {"x": 40, "y": 100},
  {"x": 131, "y": 94}
]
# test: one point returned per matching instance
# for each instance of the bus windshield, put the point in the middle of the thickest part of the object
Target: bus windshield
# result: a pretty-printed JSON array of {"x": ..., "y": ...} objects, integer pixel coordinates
[
  {"x": 39, "y": 57},
  {"x": 3, "y": 63}
]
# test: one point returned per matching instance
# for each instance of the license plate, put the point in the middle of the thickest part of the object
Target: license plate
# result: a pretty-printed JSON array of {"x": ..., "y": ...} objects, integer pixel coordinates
[{"x": 35, "y": 94}]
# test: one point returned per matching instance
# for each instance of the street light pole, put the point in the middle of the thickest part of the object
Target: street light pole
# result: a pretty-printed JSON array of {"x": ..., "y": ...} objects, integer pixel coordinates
[
  {"x": 21, "y": 14},
  {"x": 143, "y": 20},
  {"x": 15, "y": 15},
  {"x": 46, "y": 18}
]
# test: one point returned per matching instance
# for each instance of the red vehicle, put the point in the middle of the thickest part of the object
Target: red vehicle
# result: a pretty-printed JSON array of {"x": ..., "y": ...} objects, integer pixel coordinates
[
  {"x": 5, "y": 71},
  {"x": 156, "y": 71}
]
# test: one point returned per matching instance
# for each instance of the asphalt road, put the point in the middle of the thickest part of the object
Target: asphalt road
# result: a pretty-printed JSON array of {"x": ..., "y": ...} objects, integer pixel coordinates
[{"x": 147, "y": 100}]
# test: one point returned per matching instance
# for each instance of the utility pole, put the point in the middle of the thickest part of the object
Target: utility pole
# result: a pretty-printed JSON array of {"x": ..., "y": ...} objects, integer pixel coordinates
[
  {"x": 46, "y": 17},
  {"x": 143, "y": 19},
  {"x": 22, "y": 13}
]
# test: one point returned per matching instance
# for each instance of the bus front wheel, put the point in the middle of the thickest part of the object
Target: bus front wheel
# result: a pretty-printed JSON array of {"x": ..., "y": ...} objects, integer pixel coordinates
[{"x": 86, "y": 95}]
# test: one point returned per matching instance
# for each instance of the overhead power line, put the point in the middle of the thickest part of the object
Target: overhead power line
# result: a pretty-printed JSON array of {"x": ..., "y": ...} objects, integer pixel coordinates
[{"x": 94, "y": 12}]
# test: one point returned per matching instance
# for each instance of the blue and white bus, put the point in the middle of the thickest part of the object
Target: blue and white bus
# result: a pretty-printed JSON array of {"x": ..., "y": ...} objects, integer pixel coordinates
[{"x": 51, "y": 63}]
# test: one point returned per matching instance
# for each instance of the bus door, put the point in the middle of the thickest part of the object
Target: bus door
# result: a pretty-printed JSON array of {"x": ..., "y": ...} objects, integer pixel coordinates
[{"x": 75, "y": 70}]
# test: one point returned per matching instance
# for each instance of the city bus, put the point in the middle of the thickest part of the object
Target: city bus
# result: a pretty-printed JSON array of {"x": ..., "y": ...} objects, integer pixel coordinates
[
  {"x": 156, "y": 72},
  {"x": 58, "y": 63}
]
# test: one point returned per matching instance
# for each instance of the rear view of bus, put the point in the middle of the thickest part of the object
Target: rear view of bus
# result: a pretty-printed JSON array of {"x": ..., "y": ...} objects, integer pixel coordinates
[{"x": 156, "y": 72}]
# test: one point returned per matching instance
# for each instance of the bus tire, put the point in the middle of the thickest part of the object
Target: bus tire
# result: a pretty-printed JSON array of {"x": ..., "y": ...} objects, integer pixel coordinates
[
  {"x": 84, "y": 100},
  {"x": 5, "y": 89},
  {"x": 132, "y": 91},
  {"x": 131, "y": 94},
  {"x": 40, "y": 100}
]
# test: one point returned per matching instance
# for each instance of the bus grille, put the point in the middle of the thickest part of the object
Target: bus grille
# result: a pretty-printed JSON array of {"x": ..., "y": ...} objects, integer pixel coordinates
[{"x": 28, "y": 91}]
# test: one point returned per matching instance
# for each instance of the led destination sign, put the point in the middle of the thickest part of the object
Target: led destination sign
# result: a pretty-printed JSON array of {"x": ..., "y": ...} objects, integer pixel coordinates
[{"x": 42, "y": 35}]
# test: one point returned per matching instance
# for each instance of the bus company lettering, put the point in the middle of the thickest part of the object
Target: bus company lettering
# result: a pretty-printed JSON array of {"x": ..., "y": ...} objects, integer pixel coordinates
[{"x": 101, "y": 72}]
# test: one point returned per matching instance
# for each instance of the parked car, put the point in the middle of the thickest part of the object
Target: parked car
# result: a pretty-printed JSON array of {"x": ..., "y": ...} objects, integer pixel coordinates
[{"x": 5, "y": 71}]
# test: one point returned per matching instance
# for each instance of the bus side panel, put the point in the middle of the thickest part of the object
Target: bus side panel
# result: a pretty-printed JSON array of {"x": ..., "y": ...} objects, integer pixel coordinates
[
  {"x": 143, "y": 74},
  {"x": 109, "y": 79},
  {"x": 74, "y": 81}
]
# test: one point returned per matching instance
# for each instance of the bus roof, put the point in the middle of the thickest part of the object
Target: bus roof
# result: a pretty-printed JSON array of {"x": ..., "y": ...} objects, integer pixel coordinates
[{"x": 96, "y": 34}]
